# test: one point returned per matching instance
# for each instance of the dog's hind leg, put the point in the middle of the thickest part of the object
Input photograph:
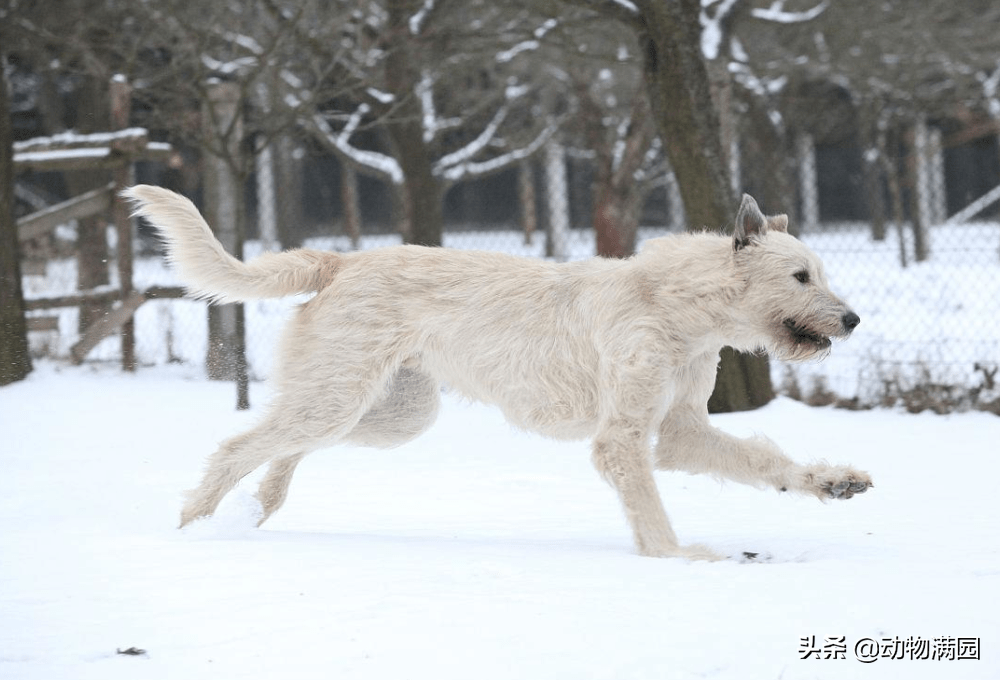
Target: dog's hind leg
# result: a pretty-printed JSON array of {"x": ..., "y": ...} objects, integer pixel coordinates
[
  {"x": 273, "y": 489},
  {"x": 237, "y": 457},
  {"x": 310, "y": 411},
  {"x": 407, "y": 409}
]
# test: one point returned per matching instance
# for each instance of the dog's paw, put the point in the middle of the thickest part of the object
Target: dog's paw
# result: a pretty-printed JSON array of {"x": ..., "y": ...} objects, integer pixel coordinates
[
  {"x": 695, "y": 552},
  {"x": 699, "y": 552},
  {"x": 846, "y": 488},
  {"x": 839, "y": 482}
]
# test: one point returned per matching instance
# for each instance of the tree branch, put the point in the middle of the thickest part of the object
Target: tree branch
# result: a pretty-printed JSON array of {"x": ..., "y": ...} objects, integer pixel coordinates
[{"x": 623, "y": 11}]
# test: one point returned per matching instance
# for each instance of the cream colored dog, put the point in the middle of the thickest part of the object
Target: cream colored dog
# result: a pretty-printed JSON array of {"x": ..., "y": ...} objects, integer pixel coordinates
[{"x": 623, "y": 352}]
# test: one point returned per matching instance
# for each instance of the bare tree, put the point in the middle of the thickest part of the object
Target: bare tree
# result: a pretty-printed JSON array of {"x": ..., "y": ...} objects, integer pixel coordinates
[
  {"x": 450, "y": 103},
  {"x": 209, "y": 75},
  {"x": 898, "y": 64},
  {"x": 669, "y": 37},
  {"x": 626, "y": 163}
]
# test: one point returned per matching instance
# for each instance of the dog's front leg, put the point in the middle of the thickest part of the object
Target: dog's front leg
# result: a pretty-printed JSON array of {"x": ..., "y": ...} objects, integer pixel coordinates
[
  {"x": 688, "y": 442},
  {"x": 621, "y": 455}
]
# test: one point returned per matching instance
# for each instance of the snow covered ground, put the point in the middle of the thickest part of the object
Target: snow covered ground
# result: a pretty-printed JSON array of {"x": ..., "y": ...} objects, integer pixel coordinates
[{"x": 476, "y": 551}]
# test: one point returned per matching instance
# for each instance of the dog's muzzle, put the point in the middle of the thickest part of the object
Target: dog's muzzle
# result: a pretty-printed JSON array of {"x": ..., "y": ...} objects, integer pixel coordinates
[
  {"x": 850, "y": 321},
  {"x": 803, "y": 335}
]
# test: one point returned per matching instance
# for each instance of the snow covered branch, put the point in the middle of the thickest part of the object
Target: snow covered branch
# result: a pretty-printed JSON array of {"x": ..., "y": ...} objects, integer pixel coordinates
[
  {"x": 475, "y": 146},
  {"x": 420, "y": 17},
  {"x": 373, "y": 161},
  {"x": 624, "y": 11},
  {"x": 711, "y": 25},
  {"x": 473, "y": 168},
  {"x": 776, "y": 12},
  {"x": 527, "y": 45}
]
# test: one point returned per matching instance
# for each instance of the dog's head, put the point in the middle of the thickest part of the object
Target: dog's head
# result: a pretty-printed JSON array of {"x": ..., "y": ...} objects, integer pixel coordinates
[{"x": 786, "y": 305}]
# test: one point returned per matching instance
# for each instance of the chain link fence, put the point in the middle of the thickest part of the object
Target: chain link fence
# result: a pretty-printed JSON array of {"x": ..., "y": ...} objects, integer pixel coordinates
[{"x": 926, "y": 285}]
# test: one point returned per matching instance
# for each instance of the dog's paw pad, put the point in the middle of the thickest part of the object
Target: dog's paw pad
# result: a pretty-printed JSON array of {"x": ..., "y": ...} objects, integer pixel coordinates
[{"x": 846, "y": 488}]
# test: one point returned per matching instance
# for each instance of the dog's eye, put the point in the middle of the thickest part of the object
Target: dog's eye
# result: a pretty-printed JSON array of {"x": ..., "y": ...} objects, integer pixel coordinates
[{"x": 801, "y": 276}]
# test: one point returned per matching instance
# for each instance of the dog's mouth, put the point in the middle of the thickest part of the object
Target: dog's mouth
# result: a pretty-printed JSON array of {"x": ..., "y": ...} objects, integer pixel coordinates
[{"x": 802, "y": 335}]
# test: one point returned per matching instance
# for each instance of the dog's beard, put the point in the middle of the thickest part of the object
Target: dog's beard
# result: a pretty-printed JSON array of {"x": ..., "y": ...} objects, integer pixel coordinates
[{"x": 796, "y": 341}]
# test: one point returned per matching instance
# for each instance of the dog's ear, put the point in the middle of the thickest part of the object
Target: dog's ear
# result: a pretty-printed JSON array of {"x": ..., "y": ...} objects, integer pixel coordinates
[
  {"x": 777, "y": 223},
  {"x": 750, "y": 223}
]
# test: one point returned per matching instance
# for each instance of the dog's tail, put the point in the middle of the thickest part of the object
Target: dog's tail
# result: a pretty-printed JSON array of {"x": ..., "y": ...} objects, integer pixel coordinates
[{"x": 209, "y": 271}]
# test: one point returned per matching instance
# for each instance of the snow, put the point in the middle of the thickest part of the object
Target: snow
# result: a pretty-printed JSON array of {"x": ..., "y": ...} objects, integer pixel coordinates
[
  {"x": 474, "y": 552},
  {"x": 628, "y": 6},
  {"x": 424, "y": 90},
  {"x": 417, "y": 20},
  {"x": 96, "y": 152},
  {"x": 464, "y": 169},
  {"x": 380, "y": 96},
  {"x": 380, "y": 162},
  {"x": 777, "y": 13},
  {"x": 505, "y": 56},
  {"x": 228, "y": 67},
  {"x": 71, "y": 138},
  {"x": 711, "y": 25},
  {"x": 468, "y": 151}
]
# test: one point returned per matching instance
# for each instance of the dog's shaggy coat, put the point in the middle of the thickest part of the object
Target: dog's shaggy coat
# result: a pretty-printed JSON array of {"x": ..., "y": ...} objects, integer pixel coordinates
[{"x": 623, "y": 352}]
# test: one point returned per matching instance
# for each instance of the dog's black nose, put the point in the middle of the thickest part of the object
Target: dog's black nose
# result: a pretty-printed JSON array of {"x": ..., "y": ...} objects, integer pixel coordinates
[{"x": 851, "y": 321}]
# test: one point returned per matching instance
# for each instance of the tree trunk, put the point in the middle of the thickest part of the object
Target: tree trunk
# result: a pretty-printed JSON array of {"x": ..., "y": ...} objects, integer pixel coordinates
[
  {"x": 678, "y": 86},
  {"x": 423, "y": 192},
  {"x": 890, "y": 166},
  {"x": 15, "y": 360},
  {"x": 288, "y": 207},
  {"x": 616, "y": 218},
  {"x": 767, "y": 146},
  {"x": 224, "y": 208},
  {"x": 743, "y": 383}
]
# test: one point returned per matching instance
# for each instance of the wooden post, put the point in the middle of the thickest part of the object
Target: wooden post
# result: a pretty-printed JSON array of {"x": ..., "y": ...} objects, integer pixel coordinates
[
  {"x": 115, "y": 320},
  {"x": 808, "y": 184},
  {"x": 872, "y": 178},
  {"x": 349, "y": 199},
  {"x": 267, "y": 200},
  {"x": 526, "y": 194},
  {"x": 121, "y": 109},
  {"x": 918, "y": 171},
  {"x": 676, "y": 220},
  {"x": 289, "y": 181},
  {"x": 557, "y": 198},
  {"x": 92, "y": 235},
  {"x": 939, "y": 197}
]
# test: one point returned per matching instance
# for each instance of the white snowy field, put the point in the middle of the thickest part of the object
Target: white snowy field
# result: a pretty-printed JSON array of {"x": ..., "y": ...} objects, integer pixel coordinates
[{"x": 475, "y": 552}]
